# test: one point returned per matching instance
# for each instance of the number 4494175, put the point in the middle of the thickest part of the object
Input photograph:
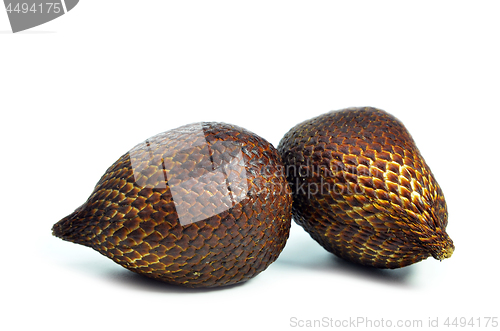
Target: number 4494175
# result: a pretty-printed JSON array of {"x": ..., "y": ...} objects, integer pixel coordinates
[
  {"x": 471, "y": 322},
  {"x": 25, "y": 8}
]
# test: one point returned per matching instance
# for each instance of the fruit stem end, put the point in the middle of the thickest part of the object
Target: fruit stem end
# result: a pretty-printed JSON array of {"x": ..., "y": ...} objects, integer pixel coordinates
[{"x": 446, "y": 252}]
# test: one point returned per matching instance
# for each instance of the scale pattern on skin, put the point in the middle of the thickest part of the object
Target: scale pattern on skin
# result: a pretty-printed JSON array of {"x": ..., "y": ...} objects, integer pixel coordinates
[
  {"x": 363, "y": 191},
  {"x": 132, "y": 218}
]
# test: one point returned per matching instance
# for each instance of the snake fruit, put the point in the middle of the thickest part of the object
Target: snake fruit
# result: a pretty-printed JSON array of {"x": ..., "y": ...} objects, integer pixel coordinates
[
  {"x": 203, "y": 205},
  {"x": 363, "y": 191}
]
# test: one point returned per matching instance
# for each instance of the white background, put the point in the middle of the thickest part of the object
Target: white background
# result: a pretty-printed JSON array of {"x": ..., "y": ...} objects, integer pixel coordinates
[{"x": 78, "y": 92}]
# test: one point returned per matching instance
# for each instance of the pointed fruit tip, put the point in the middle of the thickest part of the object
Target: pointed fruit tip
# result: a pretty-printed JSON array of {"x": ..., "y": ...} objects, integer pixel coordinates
[
  {"x": 72, "y": 228},
  {"x": 57, "y": 230},
  {"x": 448, "y": 252}
]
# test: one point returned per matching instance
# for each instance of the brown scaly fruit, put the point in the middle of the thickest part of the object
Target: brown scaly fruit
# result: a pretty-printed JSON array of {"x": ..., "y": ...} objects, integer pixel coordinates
[
  {"x": 362, "y": 190},
  {"x": 202, "y": 205}
]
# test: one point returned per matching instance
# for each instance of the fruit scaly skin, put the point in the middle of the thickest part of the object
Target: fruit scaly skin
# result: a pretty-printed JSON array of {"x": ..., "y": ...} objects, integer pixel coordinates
[
  {"x": 362, "y": 190},
  {"x": 132, "y": 219}
]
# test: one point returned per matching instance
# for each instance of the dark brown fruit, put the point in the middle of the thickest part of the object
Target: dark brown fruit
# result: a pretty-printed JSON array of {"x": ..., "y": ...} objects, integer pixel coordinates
[
  {"x": 202, "y": 205},
  {"x": 363, "y": 191}
]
